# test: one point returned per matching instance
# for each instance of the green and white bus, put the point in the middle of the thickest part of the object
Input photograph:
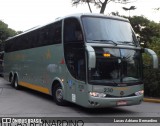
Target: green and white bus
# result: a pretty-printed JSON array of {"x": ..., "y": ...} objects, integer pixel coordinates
[{"x": 91, "y": 60}]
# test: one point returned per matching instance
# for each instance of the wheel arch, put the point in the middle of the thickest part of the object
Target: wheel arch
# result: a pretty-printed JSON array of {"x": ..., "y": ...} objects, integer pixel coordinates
[{"x": 55, "y": 82}]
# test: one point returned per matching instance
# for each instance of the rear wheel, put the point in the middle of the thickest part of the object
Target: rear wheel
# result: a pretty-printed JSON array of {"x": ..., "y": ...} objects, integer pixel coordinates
[
  {"x": 11, "y": 79},
  {"x": 58, "y": 95},
  {"x": 15, "y": 83}
]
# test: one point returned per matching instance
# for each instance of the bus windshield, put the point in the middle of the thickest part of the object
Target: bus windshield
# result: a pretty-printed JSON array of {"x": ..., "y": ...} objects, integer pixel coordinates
[
  {"x": 116, "y": 66},
  {"x": 108, "y": 31}
]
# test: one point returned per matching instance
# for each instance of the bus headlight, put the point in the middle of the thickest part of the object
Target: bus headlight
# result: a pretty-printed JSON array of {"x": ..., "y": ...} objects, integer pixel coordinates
[
  {"x": 139, "y": 93},
  {"x": 96, "y": 94}
]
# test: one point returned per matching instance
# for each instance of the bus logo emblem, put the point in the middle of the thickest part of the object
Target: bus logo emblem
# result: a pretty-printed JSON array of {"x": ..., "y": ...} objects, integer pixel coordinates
[{"x": 122, "y": 93}]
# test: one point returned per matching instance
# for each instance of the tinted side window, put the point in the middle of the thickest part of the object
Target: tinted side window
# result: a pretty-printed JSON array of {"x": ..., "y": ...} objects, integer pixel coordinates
[
  {"x": 8, "y": 46},
  {"x": 42, "y": 37},
  {"x": 48, "y": 35},
  {"x": 74, "y": 50},
  {"x": 56, "y": 32},
  {"x": 72, "y": 31},
  {"x": 31, "y": 40},
  {"x": 51, "y": 34}
]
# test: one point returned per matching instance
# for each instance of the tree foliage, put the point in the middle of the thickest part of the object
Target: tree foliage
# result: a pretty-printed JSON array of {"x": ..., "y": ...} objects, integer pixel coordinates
[
  {"x": 99, "y": 3},
  {"x": 149, "y": 33},
  {"x": 157, "y": 8},
  {"x": 151, "y": 76},
  {"x": 5, "y": 32},
  {"x": 146, "y": 29}
]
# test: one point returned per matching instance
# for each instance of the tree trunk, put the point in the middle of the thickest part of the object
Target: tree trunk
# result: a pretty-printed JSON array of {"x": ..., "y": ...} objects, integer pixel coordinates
[
  {"x": 103, "y": 7},
  {"x": 89, "y": 7}
]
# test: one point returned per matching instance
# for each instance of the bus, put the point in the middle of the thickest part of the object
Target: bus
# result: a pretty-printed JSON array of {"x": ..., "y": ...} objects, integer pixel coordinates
[
  {"x": 92, "y": 60},
  {"x": 1, "y": 63}
]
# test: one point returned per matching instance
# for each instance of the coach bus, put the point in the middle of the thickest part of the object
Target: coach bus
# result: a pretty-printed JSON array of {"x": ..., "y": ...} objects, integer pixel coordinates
[{"x": 91, "y": 60}]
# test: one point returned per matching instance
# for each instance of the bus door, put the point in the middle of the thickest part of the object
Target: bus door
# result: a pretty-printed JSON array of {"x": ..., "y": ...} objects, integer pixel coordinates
[{"x": 74, "y": 53}]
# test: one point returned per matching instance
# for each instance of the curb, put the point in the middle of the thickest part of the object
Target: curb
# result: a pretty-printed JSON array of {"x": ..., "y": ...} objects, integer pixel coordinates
[{"x": 151, "y": 100}]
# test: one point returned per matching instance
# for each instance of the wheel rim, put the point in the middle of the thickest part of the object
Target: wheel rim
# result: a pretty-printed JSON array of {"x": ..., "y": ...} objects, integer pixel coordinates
[{"x": 59, "y": 94}]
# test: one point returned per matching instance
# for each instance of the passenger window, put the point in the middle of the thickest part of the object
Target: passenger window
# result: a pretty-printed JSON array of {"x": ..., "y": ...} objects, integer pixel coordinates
[
  {"x": 57, "y": 32},
  {"x": 74, "y": 50},
  {"x": 72, "y": 31}
]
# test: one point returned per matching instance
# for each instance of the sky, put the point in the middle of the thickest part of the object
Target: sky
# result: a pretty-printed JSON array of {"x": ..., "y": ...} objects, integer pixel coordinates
[{"x": 21, "y": 15}]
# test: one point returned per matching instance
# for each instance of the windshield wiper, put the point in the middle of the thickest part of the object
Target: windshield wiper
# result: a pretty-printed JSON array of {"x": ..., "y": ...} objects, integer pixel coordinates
[
  {"x": 105, "y": 41},
  {"x": 126, "y": 42}
]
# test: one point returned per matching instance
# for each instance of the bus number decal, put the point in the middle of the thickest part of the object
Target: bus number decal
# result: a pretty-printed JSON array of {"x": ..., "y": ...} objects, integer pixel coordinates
[{"x": 108, "y": 90}]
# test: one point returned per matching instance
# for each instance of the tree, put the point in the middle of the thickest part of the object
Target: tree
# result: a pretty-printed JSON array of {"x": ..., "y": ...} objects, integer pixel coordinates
[
  {"x": 157, "y": 8},
  {"x": 5, "y": 32},
  {"x": 129, "y": 9},
  {"x": 145, "y": 28},
  {"x": 99, "y": 3},
  {"x": 149, "y": 33},
  {"x": 151, "y": 76}
]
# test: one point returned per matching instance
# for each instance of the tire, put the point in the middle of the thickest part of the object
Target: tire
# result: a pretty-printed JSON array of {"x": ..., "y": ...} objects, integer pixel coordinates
[
  {"x": 15, "y": 83},
  {"x": 11, "y": 79},
  {"x": 58, "y": 95}
]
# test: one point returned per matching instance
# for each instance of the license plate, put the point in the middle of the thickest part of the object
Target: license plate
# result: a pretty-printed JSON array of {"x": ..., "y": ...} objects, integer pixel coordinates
[{"x": 121, "y": 103}]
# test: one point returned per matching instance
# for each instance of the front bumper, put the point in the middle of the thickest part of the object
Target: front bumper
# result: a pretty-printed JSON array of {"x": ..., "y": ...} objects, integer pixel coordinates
[{"x": 96, "y": 102}]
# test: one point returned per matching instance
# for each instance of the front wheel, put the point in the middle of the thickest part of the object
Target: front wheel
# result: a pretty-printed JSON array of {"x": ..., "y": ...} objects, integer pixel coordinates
[{"x": 58, "y": 95}]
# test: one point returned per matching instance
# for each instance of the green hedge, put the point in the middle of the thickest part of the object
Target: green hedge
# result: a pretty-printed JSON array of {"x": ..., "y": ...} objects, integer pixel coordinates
[{"x": 151, "y": 82}]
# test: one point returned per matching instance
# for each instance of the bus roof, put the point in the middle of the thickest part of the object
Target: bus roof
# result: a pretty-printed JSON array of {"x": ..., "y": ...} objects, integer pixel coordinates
[{"x": 78, "y": 15}]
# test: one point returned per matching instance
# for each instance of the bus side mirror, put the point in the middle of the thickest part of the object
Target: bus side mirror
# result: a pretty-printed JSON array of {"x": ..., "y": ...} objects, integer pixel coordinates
[
  {"x": 154, "y": 57},
  {"x": 91, "y": 57}
]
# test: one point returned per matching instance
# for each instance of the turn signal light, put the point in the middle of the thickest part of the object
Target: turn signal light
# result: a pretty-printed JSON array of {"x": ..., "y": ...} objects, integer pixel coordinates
[{"x": 106, "y": 55}]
